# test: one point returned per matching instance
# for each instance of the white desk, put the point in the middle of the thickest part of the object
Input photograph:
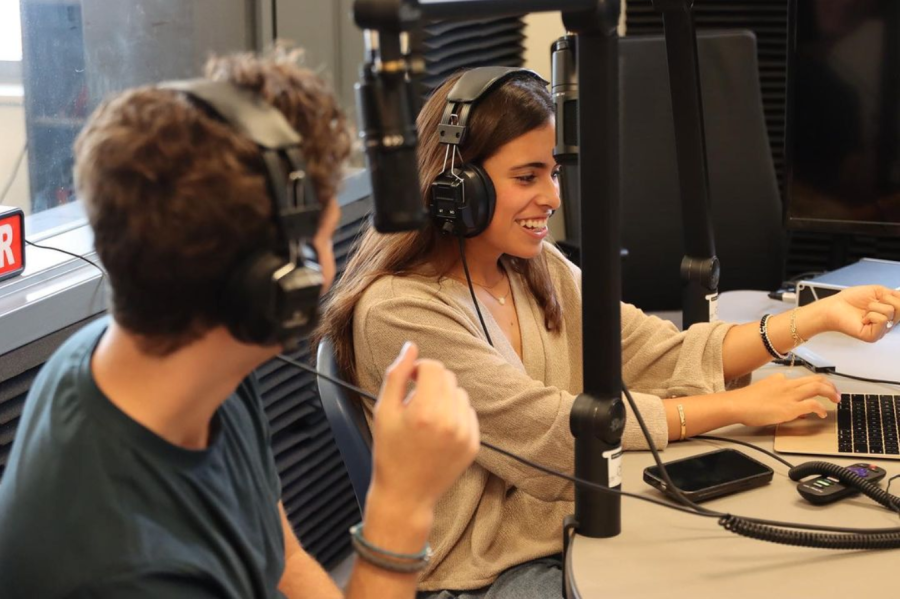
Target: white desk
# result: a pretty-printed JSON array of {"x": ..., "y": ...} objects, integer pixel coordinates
[{"x": 666, "y": 554}]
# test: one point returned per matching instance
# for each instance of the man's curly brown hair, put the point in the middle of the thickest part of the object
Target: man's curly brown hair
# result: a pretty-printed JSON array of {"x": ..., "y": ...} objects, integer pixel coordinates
[{"x": 177, "y": 198}]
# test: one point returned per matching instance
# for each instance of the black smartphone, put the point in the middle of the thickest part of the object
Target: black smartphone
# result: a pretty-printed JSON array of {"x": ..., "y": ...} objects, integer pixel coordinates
[{"x": 712, "y": 474}]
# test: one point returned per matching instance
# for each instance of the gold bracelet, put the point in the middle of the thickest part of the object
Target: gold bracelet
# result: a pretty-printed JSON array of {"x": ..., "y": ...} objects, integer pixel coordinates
[
  {"x": 795, "y": 336},
  {"x": 683, "y": 422}
]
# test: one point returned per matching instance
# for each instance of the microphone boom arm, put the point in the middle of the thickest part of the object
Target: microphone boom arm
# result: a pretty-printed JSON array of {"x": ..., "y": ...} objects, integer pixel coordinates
[{"x": 700, "y": 267}]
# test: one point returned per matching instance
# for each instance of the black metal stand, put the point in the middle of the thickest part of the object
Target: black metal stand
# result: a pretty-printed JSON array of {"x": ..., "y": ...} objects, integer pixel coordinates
[
  {"x": 700, "y": 266},
  {"x": 598, "y": 416}
]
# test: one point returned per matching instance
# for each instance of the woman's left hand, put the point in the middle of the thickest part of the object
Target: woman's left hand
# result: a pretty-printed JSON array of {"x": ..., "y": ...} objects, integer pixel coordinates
[{"x": 865, "y": 312}]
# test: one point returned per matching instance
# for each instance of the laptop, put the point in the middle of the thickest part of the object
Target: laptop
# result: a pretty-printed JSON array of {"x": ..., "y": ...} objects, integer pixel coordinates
[{"x": 863, "y": 425}]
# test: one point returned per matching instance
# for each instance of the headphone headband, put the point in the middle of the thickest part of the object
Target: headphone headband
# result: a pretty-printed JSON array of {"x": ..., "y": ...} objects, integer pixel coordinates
[
  {"x": 294, "y": 202},
  {"x": 467, "y": 91},
  {"x": 246, "y": 112},
  {"x": 474, "y": 83}
]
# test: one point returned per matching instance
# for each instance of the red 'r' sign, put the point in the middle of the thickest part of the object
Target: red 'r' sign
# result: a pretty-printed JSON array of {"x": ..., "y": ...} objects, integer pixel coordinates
[{"x": 12, "y": 242}]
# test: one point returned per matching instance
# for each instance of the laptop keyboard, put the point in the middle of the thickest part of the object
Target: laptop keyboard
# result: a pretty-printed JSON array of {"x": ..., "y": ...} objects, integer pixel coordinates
[{"x": 868, "y": 423}]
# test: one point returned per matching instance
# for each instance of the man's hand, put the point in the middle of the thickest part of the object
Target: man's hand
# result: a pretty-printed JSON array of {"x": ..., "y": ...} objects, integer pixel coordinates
[{"x": 423, "y": 440}]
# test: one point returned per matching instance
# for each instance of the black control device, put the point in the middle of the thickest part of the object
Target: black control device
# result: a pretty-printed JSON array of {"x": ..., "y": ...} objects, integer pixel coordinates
[
  {"x": 711, "y": 475},
  {"x": 823, "y": 489}
]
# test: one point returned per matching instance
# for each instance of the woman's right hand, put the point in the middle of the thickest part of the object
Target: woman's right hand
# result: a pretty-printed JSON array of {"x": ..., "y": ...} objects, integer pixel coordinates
[{"x": 776, "y": 399}]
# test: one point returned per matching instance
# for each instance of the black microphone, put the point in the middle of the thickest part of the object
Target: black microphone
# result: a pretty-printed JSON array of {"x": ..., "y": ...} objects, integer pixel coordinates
[
  {"x": 387, "y": 122},
  {"x": 564, "y": 87}
]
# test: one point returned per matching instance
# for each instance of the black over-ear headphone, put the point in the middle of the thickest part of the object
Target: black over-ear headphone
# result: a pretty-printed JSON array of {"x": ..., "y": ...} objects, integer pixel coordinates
[
  {"x": 463, "y": 197},
  {"x": 272, "y": 297}
]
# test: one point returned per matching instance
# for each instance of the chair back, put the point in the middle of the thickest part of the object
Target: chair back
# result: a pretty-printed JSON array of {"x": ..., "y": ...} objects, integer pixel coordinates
[
  {"x": 743, "y": 187},
  {"x": 345, "y": 415}
]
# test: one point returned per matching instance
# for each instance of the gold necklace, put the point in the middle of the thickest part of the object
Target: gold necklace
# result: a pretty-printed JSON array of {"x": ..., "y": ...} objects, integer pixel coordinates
[{"x": 500, "y": 300}]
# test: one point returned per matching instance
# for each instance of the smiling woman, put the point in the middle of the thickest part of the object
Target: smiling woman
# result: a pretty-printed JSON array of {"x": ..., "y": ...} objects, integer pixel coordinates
[{"x": 515, "y": 362}]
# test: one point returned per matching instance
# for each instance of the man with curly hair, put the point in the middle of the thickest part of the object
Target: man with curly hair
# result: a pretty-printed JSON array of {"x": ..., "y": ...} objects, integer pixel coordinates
[{"x": 142, "y": 465}]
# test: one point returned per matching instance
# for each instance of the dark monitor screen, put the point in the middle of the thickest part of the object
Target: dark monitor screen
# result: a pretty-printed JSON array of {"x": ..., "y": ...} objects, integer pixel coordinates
[{"x": 844, "y": 116}]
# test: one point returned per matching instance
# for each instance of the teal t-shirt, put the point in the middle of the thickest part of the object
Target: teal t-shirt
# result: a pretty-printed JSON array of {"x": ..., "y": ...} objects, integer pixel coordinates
[{"x": 92, "y": 504}]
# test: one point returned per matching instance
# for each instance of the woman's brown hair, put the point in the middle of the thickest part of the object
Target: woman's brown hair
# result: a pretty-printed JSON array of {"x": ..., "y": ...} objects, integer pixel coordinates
[{"x": 519, "y": 105}]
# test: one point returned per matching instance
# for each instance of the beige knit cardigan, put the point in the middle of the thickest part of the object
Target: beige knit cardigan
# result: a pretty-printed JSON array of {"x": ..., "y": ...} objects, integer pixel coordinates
[{"x": 500, "y": 513}]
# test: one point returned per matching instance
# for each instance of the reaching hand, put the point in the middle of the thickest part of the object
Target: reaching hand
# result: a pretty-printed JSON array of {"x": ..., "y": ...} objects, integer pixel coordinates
[
  {"x": 776, "y": 399},
  {"x": 866, "y": 312},
  {"x": 425, "y": 440}
]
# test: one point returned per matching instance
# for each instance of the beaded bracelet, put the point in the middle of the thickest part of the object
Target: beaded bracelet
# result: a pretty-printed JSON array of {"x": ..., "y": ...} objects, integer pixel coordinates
[
  {"x": 764, "y": 333},
  {"x": 389, "y": 560}
]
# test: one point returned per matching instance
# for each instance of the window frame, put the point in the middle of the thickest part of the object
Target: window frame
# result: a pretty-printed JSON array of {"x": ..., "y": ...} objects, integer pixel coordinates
[{"x": 57, "y": 290}]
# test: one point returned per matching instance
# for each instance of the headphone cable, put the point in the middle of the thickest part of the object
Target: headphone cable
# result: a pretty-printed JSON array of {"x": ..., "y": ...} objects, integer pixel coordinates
[
  {"x": 68, "y": 253},
  {"x": 492, "y": 447},
  {"x": 758, "y": 528},
  {"x": 462, "y": 255}
]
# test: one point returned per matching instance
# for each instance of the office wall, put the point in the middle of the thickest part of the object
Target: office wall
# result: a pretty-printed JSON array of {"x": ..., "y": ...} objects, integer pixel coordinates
[
  {"x": 333, "y": 44},
  {"x": 12, "y": 124},
  {"x": 542, "y": 29}
]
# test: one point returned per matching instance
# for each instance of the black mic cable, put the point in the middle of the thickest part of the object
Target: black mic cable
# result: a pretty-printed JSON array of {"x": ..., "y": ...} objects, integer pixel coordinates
[
  {"x": 462, "y": 256},
  {"x": 68, "y": 253},
  {"x": 864, "y": 379},
  {"x": 492, "y": 447},
  {"x": 787, "y": 533}
]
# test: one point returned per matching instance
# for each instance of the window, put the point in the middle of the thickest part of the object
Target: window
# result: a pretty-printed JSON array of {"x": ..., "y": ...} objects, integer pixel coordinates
[
  {"x": 12, "y": 123},
  {"x": 60, "y": 58},
  {"x": 10, "y": 31}
]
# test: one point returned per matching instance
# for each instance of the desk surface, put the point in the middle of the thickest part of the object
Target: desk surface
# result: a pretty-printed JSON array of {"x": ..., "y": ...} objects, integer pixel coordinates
[
  {"x": 667, "y": 554},
  {"x": 871, "y": 360}
]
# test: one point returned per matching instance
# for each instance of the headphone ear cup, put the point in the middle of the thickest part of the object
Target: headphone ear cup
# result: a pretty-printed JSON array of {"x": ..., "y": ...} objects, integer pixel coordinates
[
  {"x": 463, "y": 203},
  {"x": 481, "y": 199},
  {"x": 444, "y": 203},
  {"x": 249, "y": 299}
]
